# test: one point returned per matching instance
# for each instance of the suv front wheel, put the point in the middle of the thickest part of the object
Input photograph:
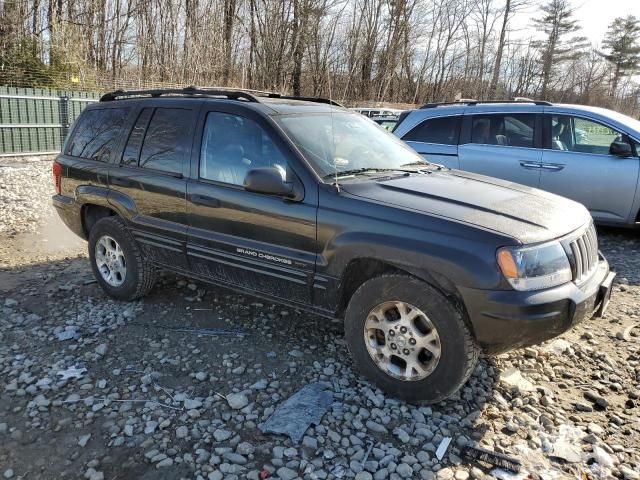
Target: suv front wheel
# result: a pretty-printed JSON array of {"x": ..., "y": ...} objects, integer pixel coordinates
[
  {"x": 117, "y": 262},
  {"x": 409, "y": 339}
]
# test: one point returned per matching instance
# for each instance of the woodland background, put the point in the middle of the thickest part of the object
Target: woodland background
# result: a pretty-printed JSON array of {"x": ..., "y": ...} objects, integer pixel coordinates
[{"x": 356, "y": 51}]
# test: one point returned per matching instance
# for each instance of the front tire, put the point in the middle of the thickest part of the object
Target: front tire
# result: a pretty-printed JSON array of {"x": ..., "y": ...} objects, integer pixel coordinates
[
  {"x": 409, "y": 339},
  {"x": 117, "y": 262}
]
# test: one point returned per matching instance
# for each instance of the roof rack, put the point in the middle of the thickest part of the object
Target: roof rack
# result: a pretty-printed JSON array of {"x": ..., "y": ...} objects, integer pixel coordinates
[
  {"x": 473, "y": 103},
  {"x": 191, "y": 91},
  {"x": 328, "y": 101},
  {"x": 231, "y": 94}
]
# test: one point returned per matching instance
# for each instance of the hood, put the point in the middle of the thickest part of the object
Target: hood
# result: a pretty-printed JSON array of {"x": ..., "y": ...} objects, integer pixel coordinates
[{"x": 526, "y": 214}]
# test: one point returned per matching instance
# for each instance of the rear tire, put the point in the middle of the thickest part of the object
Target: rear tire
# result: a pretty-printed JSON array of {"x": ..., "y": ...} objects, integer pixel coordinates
[
  {"x": 408, "y": 339},
  {"x": 117, "y": 262}
]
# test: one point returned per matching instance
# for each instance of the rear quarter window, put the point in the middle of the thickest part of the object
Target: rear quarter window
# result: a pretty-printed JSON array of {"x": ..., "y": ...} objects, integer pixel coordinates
[
  {"x": 440, "y": 130},
  {"x": 97, "y": 134},
  {"x": 166, "y": 140}
]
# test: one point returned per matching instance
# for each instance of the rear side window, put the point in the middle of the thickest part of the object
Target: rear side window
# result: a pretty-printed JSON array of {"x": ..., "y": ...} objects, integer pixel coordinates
[
  {"x": 97, "y": 134},
  {"x": 516, "y": 130},
  {"x": 165, "y": 143},
  {"x": 132, "y": 150},
  {"x": 442, "y": 130}
]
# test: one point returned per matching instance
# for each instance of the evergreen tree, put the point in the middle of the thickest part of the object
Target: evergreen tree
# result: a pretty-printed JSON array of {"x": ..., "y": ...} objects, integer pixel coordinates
[
  {"x": 622, "y": 44},
  {"x": 557, "y": 23}
]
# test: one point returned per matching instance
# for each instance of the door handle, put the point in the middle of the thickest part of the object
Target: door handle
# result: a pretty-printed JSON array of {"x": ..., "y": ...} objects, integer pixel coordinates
[
  {"x": 554, "y": 167},
  {"x": 205, "y": 201},
  {"x": 531, "y": 165}
]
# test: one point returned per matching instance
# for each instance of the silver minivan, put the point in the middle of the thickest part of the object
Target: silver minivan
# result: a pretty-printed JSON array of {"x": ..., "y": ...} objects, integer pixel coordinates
[{"x": 588, "y": 154}]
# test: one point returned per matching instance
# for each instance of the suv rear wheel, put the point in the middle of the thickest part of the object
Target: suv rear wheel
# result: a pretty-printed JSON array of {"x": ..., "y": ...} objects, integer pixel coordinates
[
  {"x": 409, "y": 339},
  {"x": 117, "y": 262}
]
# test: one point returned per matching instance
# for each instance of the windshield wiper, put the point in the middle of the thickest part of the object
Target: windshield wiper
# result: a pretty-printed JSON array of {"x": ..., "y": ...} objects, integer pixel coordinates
[{"x": 357, "y": 171}]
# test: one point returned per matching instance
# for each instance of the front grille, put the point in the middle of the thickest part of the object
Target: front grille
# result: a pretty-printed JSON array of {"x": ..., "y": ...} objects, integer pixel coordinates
[{"x": 583, "y": 254}]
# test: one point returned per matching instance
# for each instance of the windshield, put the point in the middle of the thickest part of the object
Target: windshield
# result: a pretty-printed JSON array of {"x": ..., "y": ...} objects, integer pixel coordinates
[{"x": 345, "y": 142}]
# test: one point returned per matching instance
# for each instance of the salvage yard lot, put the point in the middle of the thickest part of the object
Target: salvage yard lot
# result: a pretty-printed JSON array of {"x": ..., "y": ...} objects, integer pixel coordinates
[{"x": 161, "y": 398}]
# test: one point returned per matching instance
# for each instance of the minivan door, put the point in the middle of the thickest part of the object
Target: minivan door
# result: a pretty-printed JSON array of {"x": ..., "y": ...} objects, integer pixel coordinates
[
  {"x": 252, "y": 241},
  {"x": 576, "y": 163},
  {"x": 502, "y": 145},
  {"x": 150, "y": 180}
]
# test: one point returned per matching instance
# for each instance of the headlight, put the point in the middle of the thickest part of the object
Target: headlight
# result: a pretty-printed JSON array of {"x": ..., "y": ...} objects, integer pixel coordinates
[{"x": 535, "y": 268}]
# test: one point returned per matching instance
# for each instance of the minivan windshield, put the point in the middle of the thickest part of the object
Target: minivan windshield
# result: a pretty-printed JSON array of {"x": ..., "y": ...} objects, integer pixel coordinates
[{"x": 346, "y": 143}]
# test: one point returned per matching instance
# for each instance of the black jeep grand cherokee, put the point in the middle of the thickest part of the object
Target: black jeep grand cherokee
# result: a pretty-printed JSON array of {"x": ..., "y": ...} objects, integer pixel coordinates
[{"x": 305, "y": 203}]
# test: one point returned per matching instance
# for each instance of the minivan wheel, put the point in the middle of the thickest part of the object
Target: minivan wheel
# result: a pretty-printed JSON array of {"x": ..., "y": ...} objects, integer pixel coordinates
[
  {"x": 117, "y": 262},
  {"x": 409, "y": 339}
]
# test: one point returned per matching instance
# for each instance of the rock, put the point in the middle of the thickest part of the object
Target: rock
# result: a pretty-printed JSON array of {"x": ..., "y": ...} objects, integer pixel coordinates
[
  {"x": 461, "y": 475},
  {"x": 167, "y": 462},
  {"x": 237, "y": 400},
  {"x": 82, "y": 441},
  {"x": 376, "y": 427},
  {"x": 10, "y": 303},
  {"x": 101, "y": 349},
  {"x": 364, "y": 476},
  {"x": 628, "y": 473},
  {"x": 191, "y": 403},
  {"x": 596, "y": 398},
  {"x": 404, "y": 470},
  {"x": 8, "y": 473},
  {"x": 285, "y": 473},
  {"x": 182, "y": 432},
  {"x": 221, "y": 435}
]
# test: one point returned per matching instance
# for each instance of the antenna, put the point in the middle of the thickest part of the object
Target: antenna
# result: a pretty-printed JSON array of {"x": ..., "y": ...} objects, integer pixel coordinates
[{"x": 333, "y": 135}]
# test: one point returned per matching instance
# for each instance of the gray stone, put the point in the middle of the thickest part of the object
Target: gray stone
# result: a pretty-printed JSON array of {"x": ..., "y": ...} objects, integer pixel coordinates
[
  {"x": 237, "y": 400},
  {"x": 182, "y": 431},
  {"x": 286, "y": 473}
]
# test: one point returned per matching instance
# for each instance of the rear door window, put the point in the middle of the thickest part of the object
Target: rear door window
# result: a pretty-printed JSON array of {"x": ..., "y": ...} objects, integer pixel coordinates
[
  {"x": 97, "y": 134},
  {"x": 166, "y": 141},
  {"x": 515, "y": 130},
  {"x": 440, "y": 130}
]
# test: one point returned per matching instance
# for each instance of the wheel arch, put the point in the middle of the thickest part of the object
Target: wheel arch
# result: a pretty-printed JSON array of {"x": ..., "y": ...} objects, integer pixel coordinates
[{"x": 361, "y": 269}]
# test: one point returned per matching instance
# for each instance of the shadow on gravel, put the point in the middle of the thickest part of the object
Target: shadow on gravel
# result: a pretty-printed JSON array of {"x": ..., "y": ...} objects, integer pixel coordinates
[{"x": 283, "y": 348}]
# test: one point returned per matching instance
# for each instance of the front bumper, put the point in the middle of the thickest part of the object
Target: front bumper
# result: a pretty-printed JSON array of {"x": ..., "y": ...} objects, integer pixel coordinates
[{"x": 506, "y": 319}]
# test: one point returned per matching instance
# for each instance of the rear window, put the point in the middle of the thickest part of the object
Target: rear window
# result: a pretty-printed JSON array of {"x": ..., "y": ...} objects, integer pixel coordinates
[
  {"x": 441, "y": 130},
  {"x": 97, "y": 134}
]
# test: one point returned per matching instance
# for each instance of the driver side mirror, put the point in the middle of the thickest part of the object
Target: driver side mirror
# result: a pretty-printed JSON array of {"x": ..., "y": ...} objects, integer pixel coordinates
[
  {"x": 620, "y": 148},
  {"x": 268, "y": 180}
]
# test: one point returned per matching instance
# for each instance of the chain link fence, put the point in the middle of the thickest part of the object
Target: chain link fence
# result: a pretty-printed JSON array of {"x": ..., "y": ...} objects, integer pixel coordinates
[{"x": 35, "y": 121}]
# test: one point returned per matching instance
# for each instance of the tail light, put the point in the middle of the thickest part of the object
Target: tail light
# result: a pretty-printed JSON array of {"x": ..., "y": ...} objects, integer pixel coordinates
[{"x": 57, "y": 176}]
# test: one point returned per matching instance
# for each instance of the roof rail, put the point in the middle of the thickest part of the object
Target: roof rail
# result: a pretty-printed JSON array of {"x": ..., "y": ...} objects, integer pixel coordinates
[
  {"x": 477, "y": 102},
  {"x": 191, "y": 91},
  {"x": 328, "y": 101},
  {"x": 232, "y": 94}
]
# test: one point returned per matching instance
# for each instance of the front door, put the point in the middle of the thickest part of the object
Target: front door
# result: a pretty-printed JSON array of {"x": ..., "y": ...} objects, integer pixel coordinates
[
  {"x": 150, "y": 179},
  {"x": 261, "y": 243},
  {"x": 502, "y": 145},
  {"x": 577, "y": 164}
]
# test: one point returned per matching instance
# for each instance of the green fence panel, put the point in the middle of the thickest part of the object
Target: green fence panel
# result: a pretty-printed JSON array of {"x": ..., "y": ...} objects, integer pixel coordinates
[{"x": 36, "y": 120}]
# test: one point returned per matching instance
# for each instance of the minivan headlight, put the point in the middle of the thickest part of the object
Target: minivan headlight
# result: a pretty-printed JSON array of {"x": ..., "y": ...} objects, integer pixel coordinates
[{"x": 535, "y": 268}]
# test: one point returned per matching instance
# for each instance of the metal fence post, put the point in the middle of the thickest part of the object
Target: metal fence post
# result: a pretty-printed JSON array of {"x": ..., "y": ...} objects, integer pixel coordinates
[{"x": 64, "y": 119}]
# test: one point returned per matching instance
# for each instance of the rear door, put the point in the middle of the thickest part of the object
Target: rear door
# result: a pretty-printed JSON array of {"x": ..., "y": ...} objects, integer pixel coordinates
[
  {"x": 436, "y": 139},
  {"x": 261, "y": 243},
  {"x": 576, "y": 163},
  {"x": 503, "y": 145},
  {"x": 151, "y": 179}
]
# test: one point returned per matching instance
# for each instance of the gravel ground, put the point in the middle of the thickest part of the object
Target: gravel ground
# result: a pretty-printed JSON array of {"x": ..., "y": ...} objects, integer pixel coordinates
[{"x": 155, "y": 403}]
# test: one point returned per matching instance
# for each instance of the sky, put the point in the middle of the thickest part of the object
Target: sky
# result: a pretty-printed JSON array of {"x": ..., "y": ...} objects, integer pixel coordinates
[
  {"x": 593, "y": 15},
  {"x": 596, "y": 15}
]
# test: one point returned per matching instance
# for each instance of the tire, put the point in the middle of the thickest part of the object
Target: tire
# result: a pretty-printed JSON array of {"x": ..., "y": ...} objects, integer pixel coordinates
[
  {"x": 446, "y": 370},
  {"x": 139, "y": 276}
]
